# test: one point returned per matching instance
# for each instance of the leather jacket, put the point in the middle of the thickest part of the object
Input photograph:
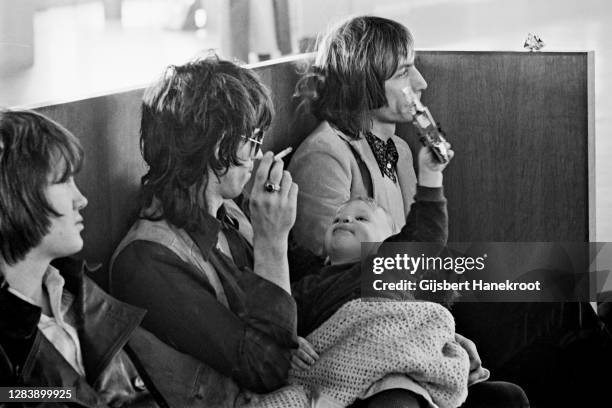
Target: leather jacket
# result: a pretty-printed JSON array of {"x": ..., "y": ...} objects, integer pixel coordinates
[{"x": 114, "y": 375}]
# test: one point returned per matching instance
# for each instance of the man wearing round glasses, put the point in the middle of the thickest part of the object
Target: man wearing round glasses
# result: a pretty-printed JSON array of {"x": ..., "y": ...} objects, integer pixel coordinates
[{"x": 211, "y": 291}]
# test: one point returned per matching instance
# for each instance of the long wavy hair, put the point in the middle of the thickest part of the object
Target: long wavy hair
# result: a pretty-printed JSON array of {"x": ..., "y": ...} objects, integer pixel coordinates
[
  {"x": 353, "y": 61},
  {"x": 192, "y": 120}
]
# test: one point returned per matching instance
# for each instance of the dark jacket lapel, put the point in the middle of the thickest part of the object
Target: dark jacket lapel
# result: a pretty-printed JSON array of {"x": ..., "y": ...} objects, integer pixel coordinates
[{"x": 104, "y": 324}]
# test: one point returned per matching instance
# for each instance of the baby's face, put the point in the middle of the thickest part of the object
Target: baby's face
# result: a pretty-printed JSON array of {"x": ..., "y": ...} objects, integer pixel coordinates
[{"x": 354, "y": 223}]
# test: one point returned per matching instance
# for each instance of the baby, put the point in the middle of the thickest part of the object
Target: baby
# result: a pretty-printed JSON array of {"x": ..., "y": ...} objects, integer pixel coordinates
[{"x": 321, "y": 294}]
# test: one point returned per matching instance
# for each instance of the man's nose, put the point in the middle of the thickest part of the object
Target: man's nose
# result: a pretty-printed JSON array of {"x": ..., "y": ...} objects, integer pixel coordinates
[
  {"x": 347, "y": 219},
  {"x": 417, "y": 82}
]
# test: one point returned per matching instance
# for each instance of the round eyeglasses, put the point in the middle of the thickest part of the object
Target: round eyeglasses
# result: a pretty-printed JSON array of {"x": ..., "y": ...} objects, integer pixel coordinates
[{"x": 256, "y": 140}]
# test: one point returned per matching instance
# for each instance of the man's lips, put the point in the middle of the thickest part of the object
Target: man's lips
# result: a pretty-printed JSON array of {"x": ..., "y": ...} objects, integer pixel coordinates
[{"x": 412, "y": 109}]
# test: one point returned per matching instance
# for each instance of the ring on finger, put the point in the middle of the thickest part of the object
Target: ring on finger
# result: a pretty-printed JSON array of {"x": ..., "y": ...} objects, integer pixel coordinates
[{"x": 271, "y": 187}]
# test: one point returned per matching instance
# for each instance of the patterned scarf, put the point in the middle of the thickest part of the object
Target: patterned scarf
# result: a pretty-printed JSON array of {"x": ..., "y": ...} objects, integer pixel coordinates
[{"x": 386, "y": 155}]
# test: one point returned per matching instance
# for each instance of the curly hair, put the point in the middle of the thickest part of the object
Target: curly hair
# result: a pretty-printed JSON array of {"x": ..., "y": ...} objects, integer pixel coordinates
[
  {"x": 35, "y": 152},
  {"x": 353, "y": 61},
  {"x": 192, "y": 120}
]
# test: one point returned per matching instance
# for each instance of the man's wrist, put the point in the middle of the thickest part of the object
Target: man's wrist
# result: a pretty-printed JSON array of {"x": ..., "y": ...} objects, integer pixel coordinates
[
  {"x": 271, "y": 263},
  {"x": 431, "y": 179},
  {"x": 271, "y": 249}
]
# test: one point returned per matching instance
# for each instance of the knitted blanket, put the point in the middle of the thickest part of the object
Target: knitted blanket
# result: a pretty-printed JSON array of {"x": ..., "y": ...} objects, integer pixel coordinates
[{"x": 363, "y": 342}]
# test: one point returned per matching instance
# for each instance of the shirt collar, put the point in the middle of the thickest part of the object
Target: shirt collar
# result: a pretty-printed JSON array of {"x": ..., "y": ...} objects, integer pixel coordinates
[
  {"x": 207, "y": 236},
  {"x": 385, "y": 153},
  {"x": 54, "y": 283}
]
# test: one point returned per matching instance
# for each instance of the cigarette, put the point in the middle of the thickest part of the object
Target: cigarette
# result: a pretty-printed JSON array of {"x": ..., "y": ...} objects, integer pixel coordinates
[{"x": 283, "y": 153}]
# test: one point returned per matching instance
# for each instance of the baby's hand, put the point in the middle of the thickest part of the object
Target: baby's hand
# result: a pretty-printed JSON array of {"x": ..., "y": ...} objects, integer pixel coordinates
[
  {"x": 477, "y": 372},
  {"x": 430, "y": 170},
  {"x": 304, "y": 356}
]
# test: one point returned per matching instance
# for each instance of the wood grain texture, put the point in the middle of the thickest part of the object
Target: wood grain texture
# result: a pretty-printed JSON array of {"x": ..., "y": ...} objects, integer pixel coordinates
[{"x": 520, "y": 124}]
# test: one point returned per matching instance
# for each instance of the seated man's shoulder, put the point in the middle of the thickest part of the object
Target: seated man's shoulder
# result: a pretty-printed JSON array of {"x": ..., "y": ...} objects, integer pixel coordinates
[
  {"x": 325, "y": 142},
  {"x": 323, "y": 138},
  {"x": 144, "y": 253}
]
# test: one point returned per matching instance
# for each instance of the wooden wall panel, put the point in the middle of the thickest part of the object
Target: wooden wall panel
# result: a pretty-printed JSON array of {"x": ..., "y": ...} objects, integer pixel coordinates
[
  {"x": 281, "y": 78},
  {"x": 519, "y": 123}
]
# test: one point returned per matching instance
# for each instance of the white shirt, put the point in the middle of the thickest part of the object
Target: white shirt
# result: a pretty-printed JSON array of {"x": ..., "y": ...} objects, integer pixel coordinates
[{"x": 58, "y": 328}]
